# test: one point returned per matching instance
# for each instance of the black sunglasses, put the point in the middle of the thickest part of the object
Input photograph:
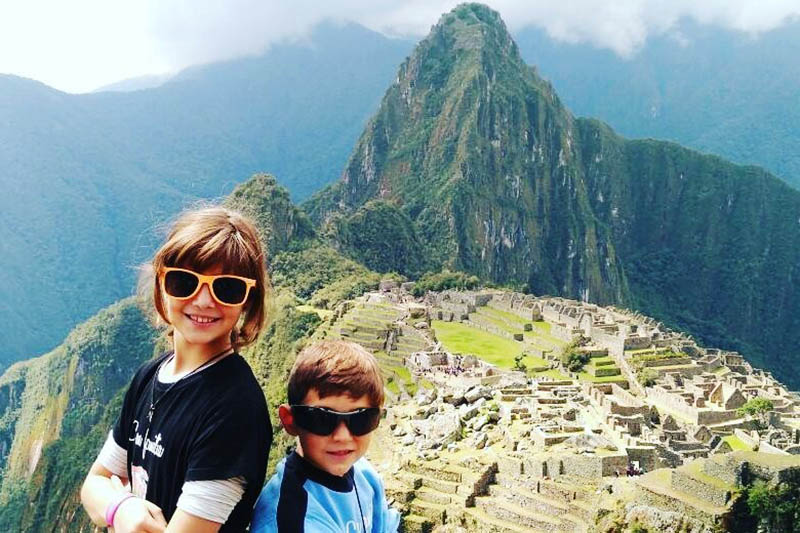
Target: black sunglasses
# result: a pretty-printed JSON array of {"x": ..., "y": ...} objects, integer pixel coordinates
[{"x": 323, "y": 421}]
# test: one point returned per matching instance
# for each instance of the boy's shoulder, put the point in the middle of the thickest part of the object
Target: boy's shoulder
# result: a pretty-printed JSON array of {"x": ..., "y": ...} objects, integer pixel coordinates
[
  {"x": 364, "y": 468},
  {"x": 295, "y": 478},
  {"x": 298, "y": 494}
]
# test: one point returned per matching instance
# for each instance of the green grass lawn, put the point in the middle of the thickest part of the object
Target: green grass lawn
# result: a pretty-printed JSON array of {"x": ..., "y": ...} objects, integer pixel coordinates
[
  {"x": 533, "y": 336},
  {"x": 602, "y": 361},
  {"x": 640, "y": 351},
  {"x": 585, "y": 376},
  {"x": 322, "y": 313},
  {"x": 736, "y": 443},
  {"x": 460, "y": 338},
  {"x": 511, "y": 317},
  {"x": 553, "y": 373},
  {"x": 392, "y": 386},
  {"x": 695, "y": 468},
  {"x": 498, "y": 323},
  {"x": 403, "y": 372},
  {"x": 531, "y": 361},
  {"x": 426, "y": 384}
]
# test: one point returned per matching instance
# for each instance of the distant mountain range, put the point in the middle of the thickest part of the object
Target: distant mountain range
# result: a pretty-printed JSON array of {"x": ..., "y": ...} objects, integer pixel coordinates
[
  {"x": 138, "y": 83},
  {"x": 90, "y": 177},
  {"x": 720, "y": 91}
]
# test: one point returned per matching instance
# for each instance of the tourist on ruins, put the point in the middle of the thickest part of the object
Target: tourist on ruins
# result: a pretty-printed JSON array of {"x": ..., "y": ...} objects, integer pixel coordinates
[
  {"x": 335, "y": 403},
  {"x": 193, "y": 434}
]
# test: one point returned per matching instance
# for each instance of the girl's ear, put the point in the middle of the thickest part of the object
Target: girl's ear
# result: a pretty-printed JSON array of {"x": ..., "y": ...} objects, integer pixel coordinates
[{"x": 285, "y": 414}]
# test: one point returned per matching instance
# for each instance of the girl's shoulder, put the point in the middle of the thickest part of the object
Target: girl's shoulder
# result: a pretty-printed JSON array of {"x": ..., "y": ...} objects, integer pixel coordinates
[
  {"x": 233, "y": 379},
  {"x": 145, "y": 372}
]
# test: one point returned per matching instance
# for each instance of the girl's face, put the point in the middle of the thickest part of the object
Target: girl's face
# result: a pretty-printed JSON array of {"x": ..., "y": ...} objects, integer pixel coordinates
[{"x": 200, "y": 321}]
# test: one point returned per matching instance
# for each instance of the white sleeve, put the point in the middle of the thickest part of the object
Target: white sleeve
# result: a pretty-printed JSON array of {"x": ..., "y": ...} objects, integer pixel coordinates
[
  {"x": 113, "y": 457},
  {"x": 212, "y": 500}
]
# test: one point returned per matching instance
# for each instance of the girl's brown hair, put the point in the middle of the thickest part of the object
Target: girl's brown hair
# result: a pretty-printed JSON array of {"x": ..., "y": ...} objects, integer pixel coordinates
[{"x": 206, "y": 237}]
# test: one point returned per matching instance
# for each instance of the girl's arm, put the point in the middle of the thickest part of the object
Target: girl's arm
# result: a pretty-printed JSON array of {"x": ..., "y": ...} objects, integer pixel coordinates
[
  {"x": 183, "y": 522},
  {"x": 133, "y": 515}
]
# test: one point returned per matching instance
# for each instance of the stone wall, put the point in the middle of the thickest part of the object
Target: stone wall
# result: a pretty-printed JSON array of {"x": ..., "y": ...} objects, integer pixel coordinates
[
  {"x": 707, "y": 417},
  {"x": 645, "y": 455},
  {"x": 563, "y": 332},
  {"x": 586, "y": 466},
  {"x": 526, "y": 313},
  {"x": 611, "y": 340},
  {"x": 625, "y": 398},
  {"x": 664, "y": 398},
  {"x": 724, "y": 467},
  {"x": 649, "y": 498},
  {"x": 766, "y": 447},
  {"x": 683, "y": 482}
]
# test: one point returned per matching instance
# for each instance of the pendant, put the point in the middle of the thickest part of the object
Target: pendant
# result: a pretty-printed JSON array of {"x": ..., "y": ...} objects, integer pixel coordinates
[{"x": 150, "y": 413}]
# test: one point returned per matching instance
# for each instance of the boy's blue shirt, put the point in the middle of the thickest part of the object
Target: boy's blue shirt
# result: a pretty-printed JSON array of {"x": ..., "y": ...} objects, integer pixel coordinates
[{"x": 302, "y": 498}]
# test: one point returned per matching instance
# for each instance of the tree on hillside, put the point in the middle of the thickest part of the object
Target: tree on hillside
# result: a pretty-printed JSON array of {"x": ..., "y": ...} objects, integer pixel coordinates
[
  {"x": 759, "y": 409},
  {"x": 777, "y": 508}
]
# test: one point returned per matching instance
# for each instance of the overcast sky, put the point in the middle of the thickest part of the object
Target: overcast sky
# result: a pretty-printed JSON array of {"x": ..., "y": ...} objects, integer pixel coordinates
[{"x": 79, "y": 45}]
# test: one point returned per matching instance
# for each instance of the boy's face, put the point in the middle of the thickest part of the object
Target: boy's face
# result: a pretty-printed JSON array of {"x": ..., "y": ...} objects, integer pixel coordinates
[{"x": 334, "y": 453}]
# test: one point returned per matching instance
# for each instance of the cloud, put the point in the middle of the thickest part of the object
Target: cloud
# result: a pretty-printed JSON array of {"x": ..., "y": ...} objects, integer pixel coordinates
[
  {"x": 86, "y": 43},
  {"x": 203, "y": 30}
]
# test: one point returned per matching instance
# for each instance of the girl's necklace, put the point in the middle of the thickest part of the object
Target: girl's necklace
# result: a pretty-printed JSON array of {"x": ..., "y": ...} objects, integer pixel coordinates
[{"x": 154, "y": 401}]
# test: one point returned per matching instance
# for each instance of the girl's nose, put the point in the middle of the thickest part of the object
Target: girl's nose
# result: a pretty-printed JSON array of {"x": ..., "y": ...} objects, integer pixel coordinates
[{"x": 203, "y": 297}]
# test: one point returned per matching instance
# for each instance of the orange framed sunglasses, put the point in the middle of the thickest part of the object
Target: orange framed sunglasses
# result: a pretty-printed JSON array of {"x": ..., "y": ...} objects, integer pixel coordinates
[{"x": 226, "y": 289}]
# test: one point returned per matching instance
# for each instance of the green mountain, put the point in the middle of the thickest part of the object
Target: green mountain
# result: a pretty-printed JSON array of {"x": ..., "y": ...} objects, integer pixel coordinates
[
  {"x": 87, "y": 178},
  {"x": 721, "y": 91},
  {"x": 499, "y": 179},
  {"x": 56, "y": 410}
]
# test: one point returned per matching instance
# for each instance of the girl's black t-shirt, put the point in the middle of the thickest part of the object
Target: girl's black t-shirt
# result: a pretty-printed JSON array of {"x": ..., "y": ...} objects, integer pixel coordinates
[{"x": 213, "y": 425}]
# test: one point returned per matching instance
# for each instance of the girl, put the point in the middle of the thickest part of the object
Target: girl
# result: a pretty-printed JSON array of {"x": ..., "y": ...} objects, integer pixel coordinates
[{"x": 194, "y": 433}]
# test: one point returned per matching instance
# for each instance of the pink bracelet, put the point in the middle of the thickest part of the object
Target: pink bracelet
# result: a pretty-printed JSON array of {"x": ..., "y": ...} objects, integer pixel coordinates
[{"x": 114, "y": 504}]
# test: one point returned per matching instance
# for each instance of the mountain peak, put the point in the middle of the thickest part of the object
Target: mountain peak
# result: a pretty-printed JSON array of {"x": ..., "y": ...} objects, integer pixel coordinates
[
  {"x": 475, "y": 26},
  {"x": 469, "y": 36},
  {"x": 278, "y": 220}
]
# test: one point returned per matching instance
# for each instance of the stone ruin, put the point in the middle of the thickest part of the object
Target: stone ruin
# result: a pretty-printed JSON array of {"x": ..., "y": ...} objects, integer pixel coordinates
[{"x": 484, "y": 447}]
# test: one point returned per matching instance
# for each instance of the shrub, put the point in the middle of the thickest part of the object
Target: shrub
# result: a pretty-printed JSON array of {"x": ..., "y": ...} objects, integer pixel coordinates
[
  {"x": 777, "y": 507},
  {"x": 440, "y": 281},
  {"x": 646, "y": 377},
  {"x": 573, "y": 359}
]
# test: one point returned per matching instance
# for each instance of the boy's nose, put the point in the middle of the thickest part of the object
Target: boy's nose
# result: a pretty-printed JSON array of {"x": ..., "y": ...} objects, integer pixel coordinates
[{"x": 341, "y": 432}]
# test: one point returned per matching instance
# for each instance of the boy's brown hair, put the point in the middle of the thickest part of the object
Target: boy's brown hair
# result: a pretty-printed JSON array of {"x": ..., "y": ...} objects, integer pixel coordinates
[{"x": 334, "y": 367}]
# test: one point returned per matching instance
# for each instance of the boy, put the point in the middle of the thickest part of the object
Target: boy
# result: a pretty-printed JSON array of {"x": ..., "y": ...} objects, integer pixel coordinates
[{"x": 335, "y": 403}]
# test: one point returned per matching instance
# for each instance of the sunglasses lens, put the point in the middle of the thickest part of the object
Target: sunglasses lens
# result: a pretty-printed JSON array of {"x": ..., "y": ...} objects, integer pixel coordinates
[
  {"x": 323, "y": 422},
  {"x": 179, "y": 284},
  {"x": 230, "y": 290},
  {"x": 364, "y": 421},
  {"x": 317, "y": 421}
]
